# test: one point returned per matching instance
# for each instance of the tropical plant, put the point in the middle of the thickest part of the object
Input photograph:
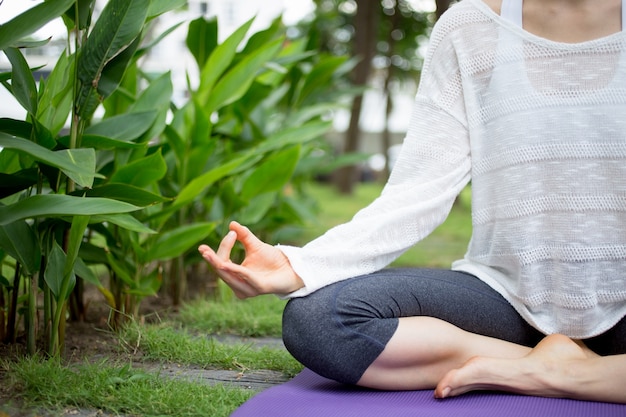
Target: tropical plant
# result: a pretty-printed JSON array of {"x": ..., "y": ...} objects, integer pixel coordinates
[
  {"x": 135, "y": 190},
  {"x": 386, "y": 36},
  {"x": 246, "y": 138},
  {"x": 54, "y": 190}
]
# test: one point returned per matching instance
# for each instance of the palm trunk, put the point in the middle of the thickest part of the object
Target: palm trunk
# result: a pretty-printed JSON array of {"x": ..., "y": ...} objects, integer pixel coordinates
[{"x": 365, "y": 25}]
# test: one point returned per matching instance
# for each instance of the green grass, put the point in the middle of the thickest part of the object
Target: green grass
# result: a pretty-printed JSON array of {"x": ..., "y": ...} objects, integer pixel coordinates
[
  {"x": 445, "y": 245},
  {"x": 254, "y": 317},
  {"x": 50, "y": 386},
  {"x": 165, "y": 342}
]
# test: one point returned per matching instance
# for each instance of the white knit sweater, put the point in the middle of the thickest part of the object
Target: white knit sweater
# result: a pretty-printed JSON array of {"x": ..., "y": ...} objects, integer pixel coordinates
[{"x": 540, "y": 129}]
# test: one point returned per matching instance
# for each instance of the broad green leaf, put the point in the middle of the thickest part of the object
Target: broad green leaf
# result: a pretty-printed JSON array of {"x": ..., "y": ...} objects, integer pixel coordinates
[
  {"x": 220, "y": 59},
  {"x": 307, "y": 113},
  {"x": 156, "y": 96},
  {"x": 85, "y": 158},
  {"x": 237, "y": 81},
  {"x": 84, "y": 13},
  {"x": 197, "y": 186},
  {"x": 59, "y": 205},
  {"x": 22, "y": 81},
  {"x": 92, "y": 254},
  {"x": 18, "y": 181},
  {"x": 289, "y": 55},
  {"x": 34, "y": 132},
  {"x": 118, "y": 102},
  {"x": 301, "y": 210},
  {"x": 77, "y": 232},
  {"x": 178, "y": 241},
  {"x": 147, "y": 286},
  {"x": 83, "y": 271},
  {"x": 123, "y": 220},
  {"x": 103, "y": 143},
  {"x": 199, "y": 131},
  {"x": 120, "y": 270},
  {"x": 114, "y": 70},
  {"x": 272, "y": 174},
  {"x": 176, "y": 142},
  {"x": 42, "y": 136},
  {"x": 261, "y": 38},
  {"x": 119, "y": 24},
  {"x": 320, "y": 75},
  {"x": 3, "y": 281},
  {"x": 257, "y": 208},
  {"x": 126, "y": 192},
  {"x": 17, "y": 128},
  {"x": 53, "y": 275},
  {"x": 295, "y": 135},
  {"x": 126, "y": 127},
  {"x": 200, "y": 146},
  {"x": 27, "y": 43},
  {"x": 59, "y": 274},
  {"x": 55, "y": 103},
  {"x": 154, "y": 41},
  {"x": 142, "y": 172},
  {"x": 158, "y": 7},
  {"x": 72, "y": 162},
  {"x": 202, "y": 39},
  {"x": 31, "y": 20},
  {"x": 19, "y": 241},
  {"x": 10, "y": 161}
]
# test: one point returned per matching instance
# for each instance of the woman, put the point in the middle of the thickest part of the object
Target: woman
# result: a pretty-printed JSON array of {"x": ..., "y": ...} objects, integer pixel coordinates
[{"x": 529, "y": 102}]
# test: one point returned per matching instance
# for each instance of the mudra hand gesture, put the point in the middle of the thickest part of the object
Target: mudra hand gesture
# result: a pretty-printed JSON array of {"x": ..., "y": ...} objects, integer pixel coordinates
[{"x": 264, "y": 270}]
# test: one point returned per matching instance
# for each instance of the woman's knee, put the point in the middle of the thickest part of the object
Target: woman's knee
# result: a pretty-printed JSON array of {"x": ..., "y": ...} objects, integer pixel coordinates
[
  {"x": 332, "y": 335},
  {"x": 305, "y": 327}
]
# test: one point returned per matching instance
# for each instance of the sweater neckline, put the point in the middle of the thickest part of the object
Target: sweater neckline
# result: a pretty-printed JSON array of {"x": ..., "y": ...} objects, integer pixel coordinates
[{"x": 531, "y": 37}]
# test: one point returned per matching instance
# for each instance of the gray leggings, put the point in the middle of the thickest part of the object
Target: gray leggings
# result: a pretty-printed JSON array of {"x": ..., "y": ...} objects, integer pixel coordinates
[{"x": 339, "y": 330}]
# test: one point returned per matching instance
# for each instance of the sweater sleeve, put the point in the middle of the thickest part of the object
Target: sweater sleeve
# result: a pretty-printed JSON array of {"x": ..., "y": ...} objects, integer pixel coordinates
[{"x": 432, "y": 169}]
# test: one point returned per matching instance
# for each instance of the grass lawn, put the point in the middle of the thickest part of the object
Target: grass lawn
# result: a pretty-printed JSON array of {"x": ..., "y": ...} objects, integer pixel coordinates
[
  {"x": 119, "y": 388},
  {"x": 446, "y": 244}
]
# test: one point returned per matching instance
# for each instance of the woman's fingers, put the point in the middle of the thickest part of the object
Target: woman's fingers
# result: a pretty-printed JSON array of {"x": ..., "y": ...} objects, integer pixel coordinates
[
  {"x": 235, "y": 276},
  {"x": 249, "y": 240},
  {"x": 251, "y": 277},
  {"x": 226, "y": 245}
]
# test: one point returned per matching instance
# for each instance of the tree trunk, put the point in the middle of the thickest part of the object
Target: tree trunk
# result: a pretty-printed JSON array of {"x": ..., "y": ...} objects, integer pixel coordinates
[
  {"x": 442, "y": 6},
  {"x": 386, "y": 134},
  {"x": 365, "y": 26}
]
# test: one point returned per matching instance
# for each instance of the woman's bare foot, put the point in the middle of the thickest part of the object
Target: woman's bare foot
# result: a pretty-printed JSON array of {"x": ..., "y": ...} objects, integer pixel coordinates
[{"x": 546, "y": 371}]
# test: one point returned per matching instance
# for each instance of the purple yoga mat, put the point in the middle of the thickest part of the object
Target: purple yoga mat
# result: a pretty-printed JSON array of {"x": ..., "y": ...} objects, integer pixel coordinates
[{"x": 310, "y": 395}]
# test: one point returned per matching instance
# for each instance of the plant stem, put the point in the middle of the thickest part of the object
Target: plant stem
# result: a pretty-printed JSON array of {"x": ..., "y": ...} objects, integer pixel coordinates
[
  {"x": 48, "y": 308},
  {"x": 2, "y": 316},
  {"x": 10, "y": 336},
  {"x": 32, "y": 315}
]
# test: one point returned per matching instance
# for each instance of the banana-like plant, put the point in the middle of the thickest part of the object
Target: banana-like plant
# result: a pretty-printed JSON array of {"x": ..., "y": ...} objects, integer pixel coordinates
[
  {"x": 52, "y": 188},
  {"x": 133, "y": 190},
  {"x": 241, "y": 145}
]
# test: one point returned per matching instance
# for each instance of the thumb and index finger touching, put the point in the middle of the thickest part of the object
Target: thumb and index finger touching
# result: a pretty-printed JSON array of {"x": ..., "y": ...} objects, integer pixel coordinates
[
  {"x": 237, "y": 232},
  {"x": 244, "y": 235}
]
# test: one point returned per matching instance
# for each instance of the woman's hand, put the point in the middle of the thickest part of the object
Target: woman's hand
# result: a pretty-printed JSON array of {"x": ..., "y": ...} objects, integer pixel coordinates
[{"x": 264, "y": 270}]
